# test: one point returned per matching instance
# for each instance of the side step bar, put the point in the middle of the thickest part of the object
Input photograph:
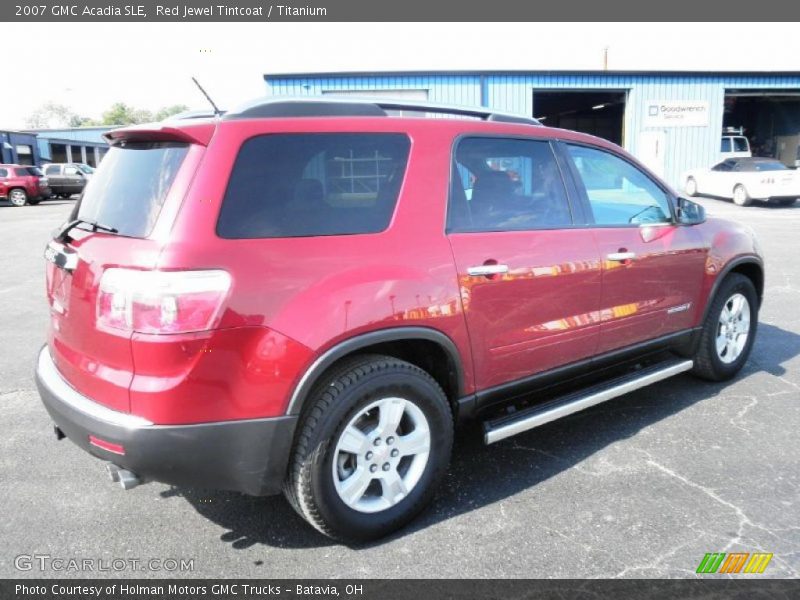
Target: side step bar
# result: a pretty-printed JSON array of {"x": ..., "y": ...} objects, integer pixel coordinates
[{"x": 508, "y": 425}]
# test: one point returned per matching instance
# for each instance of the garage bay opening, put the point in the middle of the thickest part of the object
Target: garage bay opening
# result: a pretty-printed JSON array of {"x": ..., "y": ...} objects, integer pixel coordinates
[
  {"x": 769, "y": 119},
  {"x": 597, "y": 112}
]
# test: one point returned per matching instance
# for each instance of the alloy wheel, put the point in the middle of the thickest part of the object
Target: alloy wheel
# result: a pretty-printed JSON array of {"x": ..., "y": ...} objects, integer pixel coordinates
[
  {"x": 733, "y": 328},
  {"x": 381, "y": 454}
]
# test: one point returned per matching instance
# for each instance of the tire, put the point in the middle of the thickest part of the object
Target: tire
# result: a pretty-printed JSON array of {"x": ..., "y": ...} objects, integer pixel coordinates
[
  {"x": 786, "y": 201},
  {"x": 691, "y": 187},
  {"x": 336, "y": 443},
  {"x": 740, "y": 196},
  {"x": 18, "y": 197},
  {"x": 711, "y": 362}
]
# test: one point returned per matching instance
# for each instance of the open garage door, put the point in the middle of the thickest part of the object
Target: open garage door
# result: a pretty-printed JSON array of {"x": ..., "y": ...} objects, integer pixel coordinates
[
  {"x": 596, "y": 112},
  {"x": 770, "y": 119}
]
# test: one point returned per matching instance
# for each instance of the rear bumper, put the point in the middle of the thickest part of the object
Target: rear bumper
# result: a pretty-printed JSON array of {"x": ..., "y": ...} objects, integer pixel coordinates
[{"x": 248, "y": 456}]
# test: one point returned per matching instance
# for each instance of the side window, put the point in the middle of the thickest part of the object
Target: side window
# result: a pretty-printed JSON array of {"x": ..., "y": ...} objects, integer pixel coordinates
[
  {"x": 618, "y": 192},
  {"x": 51, "y": 170},
  {"x": 70, "y": 170},
  {"x": 506, "y": 185},
  {"x": 726, "y": 145},
  {"x": 313, "y": 184},
  {"x": 3, "y": 172}
]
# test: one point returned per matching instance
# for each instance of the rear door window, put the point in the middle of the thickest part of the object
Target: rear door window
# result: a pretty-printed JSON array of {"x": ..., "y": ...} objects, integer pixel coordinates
[
  {"x": 128, "y": 190},
  {"x": 314, "y": 184},
  {"x": 502, "y": 184}
]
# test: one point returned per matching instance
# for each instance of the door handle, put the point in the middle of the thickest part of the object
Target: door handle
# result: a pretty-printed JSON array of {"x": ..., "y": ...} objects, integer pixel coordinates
[
  {"x": 620, "y": 256},
  {"x": 483, "y": 270}
]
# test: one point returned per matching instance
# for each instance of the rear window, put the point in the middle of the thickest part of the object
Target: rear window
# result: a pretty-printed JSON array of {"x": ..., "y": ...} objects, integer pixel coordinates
[
  {"x": 299, "y": 185},
  {"x": 740, "y": 144},
  {"x": 128, "y": 190},
  {"x": 767, "y": 165},
  {"x": 28, "y": 171}
]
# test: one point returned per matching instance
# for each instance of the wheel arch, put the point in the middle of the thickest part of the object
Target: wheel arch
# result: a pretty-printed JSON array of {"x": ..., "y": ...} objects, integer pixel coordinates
[
  {"x": 749, "y": 266},
  {"x": 429, "y": 349}
]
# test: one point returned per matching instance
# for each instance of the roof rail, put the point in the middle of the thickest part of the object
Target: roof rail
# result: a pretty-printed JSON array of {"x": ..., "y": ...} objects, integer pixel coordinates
[
  {"x": 329, "y": 106},
  {"x": 192, "y": 114}
]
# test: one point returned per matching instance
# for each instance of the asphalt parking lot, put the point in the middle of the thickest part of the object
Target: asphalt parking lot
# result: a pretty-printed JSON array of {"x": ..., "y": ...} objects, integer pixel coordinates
[{"x": 642, "y": 486}]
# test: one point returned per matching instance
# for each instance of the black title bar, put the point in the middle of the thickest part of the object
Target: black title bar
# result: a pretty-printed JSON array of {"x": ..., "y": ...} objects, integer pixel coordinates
[
  {"x": 371, "y": 589},
  {"x": 405, "y": 10}
]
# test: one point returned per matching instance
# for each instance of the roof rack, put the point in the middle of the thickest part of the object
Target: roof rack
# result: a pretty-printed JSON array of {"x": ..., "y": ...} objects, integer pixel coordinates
[{"x": 316, "y": 106}]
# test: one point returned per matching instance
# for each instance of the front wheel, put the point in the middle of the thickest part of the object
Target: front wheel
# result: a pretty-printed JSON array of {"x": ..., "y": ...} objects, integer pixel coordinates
[
  {"x": 18, "y": 197},
  {"x": 729, "y": 330},
  {"x": 370, "y": 449},
  {"x": 740, "y": 196}
]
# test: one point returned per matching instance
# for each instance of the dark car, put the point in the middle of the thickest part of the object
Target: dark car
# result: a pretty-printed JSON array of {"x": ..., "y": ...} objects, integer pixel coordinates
[
  {"x": 309, "y": 296},
  {"x": 22, "y": 184},
  {"x": 66, "y": 179}
]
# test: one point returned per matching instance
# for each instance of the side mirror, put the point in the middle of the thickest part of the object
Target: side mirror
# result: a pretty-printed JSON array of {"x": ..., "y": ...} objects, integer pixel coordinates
[{"x": 690, "y": 213}]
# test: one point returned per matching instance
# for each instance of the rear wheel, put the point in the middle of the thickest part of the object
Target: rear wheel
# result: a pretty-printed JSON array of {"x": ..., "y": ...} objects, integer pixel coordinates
[
  {"x": 18, "y": 197},
  {"x": 370, "y": 449},
  {"x": 691, "y": 187},
  {"x": 729, "y": 330},
  {"x": 740, "y": 196}
]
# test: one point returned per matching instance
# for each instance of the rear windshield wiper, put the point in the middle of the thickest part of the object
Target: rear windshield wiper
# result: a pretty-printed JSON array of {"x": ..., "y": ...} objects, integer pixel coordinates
[{"x": 63, "y": 233}]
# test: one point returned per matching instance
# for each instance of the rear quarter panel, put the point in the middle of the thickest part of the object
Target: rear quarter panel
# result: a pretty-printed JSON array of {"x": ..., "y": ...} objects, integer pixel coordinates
[{"x": 318, "y": 291}]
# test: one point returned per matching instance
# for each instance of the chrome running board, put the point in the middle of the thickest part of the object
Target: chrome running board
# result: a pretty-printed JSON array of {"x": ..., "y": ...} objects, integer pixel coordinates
[{"x": 523, "y": 420}]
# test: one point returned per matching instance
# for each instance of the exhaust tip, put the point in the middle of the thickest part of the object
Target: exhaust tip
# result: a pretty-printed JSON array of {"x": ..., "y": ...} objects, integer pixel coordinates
[
  {"x": 127, "y": 480},
  {"x": 113, "y": 472}
]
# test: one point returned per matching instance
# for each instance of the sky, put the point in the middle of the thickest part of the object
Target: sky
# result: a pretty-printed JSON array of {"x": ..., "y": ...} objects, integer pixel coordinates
[{"x": 89, "y": 66}]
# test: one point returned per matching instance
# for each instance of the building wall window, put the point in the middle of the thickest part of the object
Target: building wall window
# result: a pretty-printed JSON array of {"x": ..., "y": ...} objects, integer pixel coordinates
[
  {"x": 24, "y": 154},
  {"x": 58, "y": 153}
]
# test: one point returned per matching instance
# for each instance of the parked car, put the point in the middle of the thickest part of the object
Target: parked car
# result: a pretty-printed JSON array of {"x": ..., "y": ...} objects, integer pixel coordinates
[
  {"x": 21, "y": 184},
  {"x": 744, "y": 180},
  {"x": 297, "y": 296},
  {"x": 67, "y": 179}
]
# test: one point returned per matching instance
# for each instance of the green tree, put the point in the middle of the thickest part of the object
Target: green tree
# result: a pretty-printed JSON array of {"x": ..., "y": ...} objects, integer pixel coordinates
[
  {"x": 51, "y": 115},
  {"x": 168, "y": 111},
  {"x": 122, "y": 114}
]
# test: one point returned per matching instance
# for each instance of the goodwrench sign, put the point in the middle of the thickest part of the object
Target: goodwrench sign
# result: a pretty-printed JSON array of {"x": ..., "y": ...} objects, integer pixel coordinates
[{"x": 676, "y": 113}]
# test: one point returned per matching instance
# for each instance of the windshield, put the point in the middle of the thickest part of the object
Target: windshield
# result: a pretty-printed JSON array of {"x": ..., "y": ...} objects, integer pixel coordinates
[
  {"x": 86, "y": 169},
  {"x": 129, "y": 188}
]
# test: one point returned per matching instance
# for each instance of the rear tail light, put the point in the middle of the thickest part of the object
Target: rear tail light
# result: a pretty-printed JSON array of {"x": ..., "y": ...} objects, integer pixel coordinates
[{"x": 160, "y": 301}]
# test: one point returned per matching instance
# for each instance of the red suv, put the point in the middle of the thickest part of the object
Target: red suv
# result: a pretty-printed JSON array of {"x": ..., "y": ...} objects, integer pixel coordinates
[
  {"x": 309, "y": 295},
  {"x": 23, "y": 185}
]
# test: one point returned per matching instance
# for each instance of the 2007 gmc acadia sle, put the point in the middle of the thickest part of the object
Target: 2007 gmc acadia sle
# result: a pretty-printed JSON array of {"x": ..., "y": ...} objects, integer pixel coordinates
[{"x": 309, "y": 295}]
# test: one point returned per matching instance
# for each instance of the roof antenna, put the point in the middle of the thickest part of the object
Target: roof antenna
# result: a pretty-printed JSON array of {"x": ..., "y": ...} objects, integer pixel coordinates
[{"x": 217, "y": 111}]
